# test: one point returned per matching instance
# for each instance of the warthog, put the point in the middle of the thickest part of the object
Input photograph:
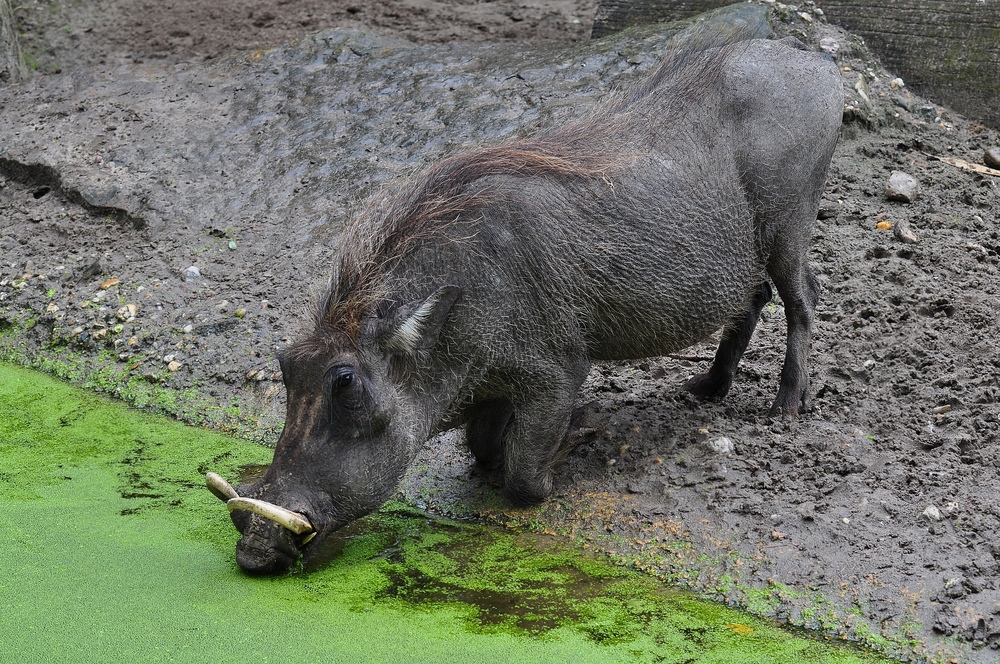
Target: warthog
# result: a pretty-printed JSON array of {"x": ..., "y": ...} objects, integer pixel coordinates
[{"x": 479, "y": 292}]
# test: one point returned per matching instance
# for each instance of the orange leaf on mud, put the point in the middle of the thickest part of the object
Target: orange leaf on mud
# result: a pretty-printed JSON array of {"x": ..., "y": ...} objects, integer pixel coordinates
[
  {"x": 741, "y": 629},
  {"x": 108, "y": 283}
]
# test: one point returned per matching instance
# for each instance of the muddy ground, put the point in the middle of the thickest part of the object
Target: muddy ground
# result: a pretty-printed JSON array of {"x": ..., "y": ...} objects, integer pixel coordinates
[{"x": 874, "y": 516}]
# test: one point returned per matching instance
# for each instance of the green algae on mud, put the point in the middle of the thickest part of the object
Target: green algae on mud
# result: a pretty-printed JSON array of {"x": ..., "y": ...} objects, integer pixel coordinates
[{"x": 114, "y": 552}]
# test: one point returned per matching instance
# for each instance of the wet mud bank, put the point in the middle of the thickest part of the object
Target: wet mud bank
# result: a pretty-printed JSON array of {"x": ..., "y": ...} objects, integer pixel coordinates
[{"x": 96, "y": 496}]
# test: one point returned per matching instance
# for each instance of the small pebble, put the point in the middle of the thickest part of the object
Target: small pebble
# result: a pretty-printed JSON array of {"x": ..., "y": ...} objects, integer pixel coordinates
[
  {"x": 191, "y": 273},
  {"x": 827, "y": 210},
  {"x": 902, "y": 187},
  {"x": 932, "y": 513},
  {"x": 904, "y": 233},
  {"x": 830, "y": 46},
  {"x": 127, "y": 312}
]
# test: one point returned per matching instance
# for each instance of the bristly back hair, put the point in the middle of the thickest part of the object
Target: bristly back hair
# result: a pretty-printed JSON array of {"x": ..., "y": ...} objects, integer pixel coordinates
[
  {"x": 392, "y": 224},
  {"x": 694, "y": 62},
  {"x": 395, "y": 222}
]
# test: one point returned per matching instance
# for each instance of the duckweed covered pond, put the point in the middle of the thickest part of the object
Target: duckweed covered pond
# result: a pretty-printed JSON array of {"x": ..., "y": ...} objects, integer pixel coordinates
[{"x": 114, "y": 552}]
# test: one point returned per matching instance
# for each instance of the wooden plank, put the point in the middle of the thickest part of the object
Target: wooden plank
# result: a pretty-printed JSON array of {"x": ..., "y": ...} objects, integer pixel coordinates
[{"x": 12, "y": 67}]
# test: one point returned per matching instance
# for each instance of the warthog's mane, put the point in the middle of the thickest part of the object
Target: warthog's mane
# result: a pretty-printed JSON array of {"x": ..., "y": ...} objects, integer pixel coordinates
[{"x": 393, "y": 223}]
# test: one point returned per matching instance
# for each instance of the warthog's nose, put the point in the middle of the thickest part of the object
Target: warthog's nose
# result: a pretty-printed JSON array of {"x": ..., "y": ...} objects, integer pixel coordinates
[{"x": 266, "y": 548}]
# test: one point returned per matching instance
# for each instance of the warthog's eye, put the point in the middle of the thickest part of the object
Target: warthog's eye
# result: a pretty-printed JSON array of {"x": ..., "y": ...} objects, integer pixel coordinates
[
  {"x": 346, "y": 395},
  {"x": 352, "y": 412},
  {"x": 343, "y": 379}
]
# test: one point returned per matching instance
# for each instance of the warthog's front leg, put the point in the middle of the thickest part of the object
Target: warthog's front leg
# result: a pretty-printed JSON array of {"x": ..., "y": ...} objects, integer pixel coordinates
[{"x": 535, "y": 436}]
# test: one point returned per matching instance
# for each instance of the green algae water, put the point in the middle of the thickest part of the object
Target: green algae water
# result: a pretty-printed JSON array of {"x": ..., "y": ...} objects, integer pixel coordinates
[{"x": 113, "y": 551}]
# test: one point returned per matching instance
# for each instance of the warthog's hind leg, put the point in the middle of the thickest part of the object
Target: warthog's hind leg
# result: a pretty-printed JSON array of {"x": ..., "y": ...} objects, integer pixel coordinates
[
  {"x": 714, "y": 384},
  {"x": 799, "y": 291}
]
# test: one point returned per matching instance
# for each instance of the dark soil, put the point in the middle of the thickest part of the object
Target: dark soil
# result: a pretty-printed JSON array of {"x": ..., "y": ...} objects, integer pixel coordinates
[{"x": 874, "y": 516}]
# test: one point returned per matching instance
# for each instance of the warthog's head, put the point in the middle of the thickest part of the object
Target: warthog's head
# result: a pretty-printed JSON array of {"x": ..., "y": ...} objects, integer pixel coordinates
[{"x": 353, "y": 424}]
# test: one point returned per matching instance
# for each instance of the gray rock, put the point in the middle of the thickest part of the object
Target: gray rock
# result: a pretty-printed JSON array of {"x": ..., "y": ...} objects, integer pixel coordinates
[
  {"x": 992, "y": 157},
  {"x": 955, "y": 587},
  {"x": 928, "y": 111},
  {"x": 902, "y": 187},
  {"x": 191, "y": 273},
  {"x": 827, "y": 209},
  {"x": 721, "y": 445}
]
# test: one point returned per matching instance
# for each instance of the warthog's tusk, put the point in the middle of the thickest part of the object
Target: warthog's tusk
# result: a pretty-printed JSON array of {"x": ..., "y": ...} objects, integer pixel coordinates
[
  {"x": 296, "y": 523},
  {"x": 219, "y": 487}
]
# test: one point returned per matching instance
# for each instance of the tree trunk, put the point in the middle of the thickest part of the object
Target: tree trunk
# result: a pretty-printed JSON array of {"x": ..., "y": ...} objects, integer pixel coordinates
[
  {"x": 12, "y": 67},
  {"x": 615, "y": 15},
  {"x": 947, "y": 50}
]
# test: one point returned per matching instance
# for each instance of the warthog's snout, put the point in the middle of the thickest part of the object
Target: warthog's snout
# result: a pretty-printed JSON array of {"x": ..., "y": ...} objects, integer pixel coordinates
[{"x": 264, "y": 549}]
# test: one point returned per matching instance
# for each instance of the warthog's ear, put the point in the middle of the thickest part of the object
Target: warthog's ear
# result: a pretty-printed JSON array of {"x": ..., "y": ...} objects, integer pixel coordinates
[{"x": 416, "y": 326}]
